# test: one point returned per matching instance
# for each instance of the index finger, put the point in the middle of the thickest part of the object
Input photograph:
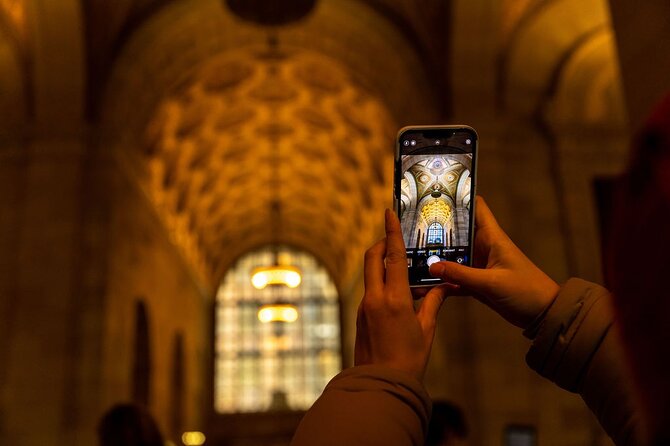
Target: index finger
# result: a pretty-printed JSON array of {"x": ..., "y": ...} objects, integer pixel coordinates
[
  {"x": 396, "y": 255},
  {"x": 373, "y": 270}
]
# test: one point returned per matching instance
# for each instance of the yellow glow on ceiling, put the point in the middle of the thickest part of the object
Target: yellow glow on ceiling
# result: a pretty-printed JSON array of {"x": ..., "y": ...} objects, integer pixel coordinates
[
  {"x": 437, "y": 210},
  {"x": 243, "y": 120}
]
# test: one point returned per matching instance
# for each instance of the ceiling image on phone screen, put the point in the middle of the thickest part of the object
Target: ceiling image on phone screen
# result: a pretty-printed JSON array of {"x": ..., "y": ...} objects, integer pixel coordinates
[{"x": 435, "y": 200}]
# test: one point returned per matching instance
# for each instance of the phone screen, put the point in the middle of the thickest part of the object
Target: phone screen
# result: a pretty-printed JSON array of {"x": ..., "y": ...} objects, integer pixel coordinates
[{"x": 434, "y": 193}]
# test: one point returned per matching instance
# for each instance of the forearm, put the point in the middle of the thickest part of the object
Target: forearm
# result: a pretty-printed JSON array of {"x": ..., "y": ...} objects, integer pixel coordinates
[
  {"x": 576, "y": 345},
  {"x": 367, "y": 405}
]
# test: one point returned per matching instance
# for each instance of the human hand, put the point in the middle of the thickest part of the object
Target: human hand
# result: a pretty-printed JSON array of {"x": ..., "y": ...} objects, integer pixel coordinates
[
  {"x": 503, "y": 277},
  {"x": 389, "y": 331}
]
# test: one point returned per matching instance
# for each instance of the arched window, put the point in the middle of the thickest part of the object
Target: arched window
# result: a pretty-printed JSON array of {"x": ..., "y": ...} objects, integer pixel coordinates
[
  {"x": 435, "y": 234},
  {"x": 265, "y": 366}
]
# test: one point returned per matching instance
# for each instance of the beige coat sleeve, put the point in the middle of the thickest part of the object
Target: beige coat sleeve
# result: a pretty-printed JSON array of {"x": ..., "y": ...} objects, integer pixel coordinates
[
  {"x": 576, "y": 345},
  {"x": 367, "y": 406}
]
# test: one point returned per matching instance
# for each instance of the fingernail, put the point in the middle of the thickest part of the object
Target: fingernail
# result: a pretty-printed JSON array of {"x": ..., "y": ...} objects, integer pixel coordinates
[{"x": 436, "y": 269}]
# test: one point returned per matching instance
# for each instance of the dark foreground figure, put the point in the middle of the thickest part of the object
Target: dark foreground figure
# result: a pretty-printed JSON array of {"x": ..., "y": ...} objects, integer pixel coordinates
[{"x": 129, "y": 425}]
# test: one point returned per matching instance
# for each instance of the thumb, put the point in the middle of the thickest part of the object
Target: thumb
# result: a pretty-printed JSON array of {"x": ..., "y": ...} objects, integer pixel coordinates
[{"x": 475, "y": 279}]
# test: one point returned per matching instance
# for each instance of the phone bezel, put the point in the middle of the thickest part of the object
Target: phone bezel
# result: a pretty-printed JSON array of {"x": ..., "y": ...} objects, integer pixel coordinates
[{"x": 397, "y": 166}]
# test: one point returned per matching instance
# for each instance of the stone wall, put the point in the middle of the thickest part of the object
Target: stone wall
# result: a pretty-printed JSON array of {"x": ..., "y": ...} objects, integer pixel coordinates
[
  {"x": 144, "y": 266},
  {"x": 80, "y": 246}
]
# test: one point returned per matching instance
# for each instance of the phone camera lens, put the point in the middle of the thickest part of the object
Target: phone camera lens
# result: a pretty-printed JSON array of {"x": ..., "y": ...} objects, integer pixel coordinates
[
  {"x": 437, "y": 142},
  {"x": 405, "y": 142}
]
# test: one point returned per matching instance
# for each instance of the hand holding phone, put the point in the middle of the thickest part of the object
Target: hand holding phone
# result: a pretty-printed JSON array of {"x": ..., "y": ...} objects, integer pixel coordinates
[
  {"x": 503, "y": 277},
  {"x": 389, "y": 330},
  {"x": 434, "y": 190}
]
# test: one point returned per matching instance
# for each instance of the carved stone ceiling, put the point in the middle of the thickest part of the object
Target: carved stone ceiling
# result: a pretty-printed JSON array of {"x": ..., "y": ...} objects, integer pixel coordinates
[
  {"x": 221, "y": 129},
  {"x": 217, "y": 126},
  {"x": 254, "y": 127},
  {"x": 217, "y": 130}
]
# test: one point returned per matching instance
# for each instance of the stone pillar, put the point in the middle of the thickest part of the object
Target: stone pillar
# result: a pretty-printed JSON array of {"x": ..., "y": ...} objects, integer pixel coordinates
[
  {"x": 461, "y": 222},
  {"x": 409, "y": 222},
  {"x": 41, "y": 359}
]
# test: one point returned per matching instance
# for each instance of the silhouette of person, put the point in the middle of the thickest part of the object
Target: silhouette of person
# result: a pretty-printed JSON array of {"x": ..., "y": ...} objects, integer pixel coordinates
[
  {"x": 128, "y": 425},
  {"x": 447, "y": 425}
]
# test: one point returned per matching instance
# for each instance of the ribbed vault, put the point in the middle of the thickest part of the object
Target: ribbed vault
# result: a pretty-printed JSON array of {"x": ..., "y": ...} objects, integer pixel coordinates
[
  {"x": 255, "y": 127},
  {"x": 231, "y": 124},
  {"x": 200, "y": 107}
]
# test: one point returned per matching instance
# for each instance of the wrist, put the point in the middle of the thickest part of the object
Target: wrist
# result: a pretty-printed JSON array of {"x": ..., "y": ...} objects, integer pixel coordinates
[{"x": 533, "y": 323}]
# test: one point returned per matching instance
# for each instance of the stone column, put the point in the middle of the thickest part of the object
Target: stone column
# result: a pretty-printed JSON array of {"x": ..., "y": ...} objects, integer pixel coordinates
[
  {"x": 409, "y": 222},
  {"x": 461, "y": 221}
]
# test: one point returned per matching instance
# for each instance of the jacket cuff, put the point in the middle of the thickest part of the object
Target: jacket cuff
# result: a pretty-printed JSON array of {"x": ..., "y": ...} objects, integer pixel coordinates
[
  {"x": 400, "y": 385},
  {"x": 569, "y": 333}
]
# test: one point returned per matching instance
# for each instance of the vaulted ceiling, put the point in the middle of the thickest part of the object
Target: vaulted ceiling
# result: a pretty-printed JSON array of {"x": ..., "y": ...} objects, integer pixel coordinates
[
  {"x": 242, "y": 136},
  {"x": 246, "y": 136}
]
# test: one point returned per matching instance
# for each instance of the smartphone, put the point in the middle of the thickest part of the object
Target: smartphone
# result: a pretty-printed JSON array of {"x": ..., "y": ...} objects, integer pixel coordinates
[{"x": 434, "y": 196}]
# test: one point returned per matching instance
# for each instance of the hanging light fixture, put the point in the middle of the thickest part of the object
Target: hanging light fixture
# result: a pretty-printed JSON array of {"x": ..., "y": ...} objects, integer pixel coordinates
[
  {"x": 436, "y": 193},
  {"x": 275, "y": 275},
  {"x": 277, "y": 313}
]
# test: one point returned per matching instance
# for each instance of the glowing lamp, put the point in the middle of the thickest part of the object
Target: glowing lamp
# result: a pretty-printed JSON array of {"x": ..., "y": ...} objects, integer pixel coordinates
[
  {"x": 194, "y": 438},
  {"x": 277, "y": 313},
  {"x": 275, "y": 275}
]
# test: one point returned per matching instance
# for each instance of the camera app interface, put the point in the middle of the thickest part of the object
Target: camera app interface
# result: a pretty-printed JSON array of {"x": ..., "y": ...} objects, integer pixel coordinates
[{"x": 436, "y": 187}]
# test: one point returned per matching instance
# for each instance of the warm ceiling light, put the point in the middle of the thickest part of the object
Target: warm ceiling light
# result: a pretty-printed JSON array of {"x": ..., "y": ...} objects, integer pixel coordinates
[
  {"x": 275, "y": 275},
  {"x": 278, "y": 313},
  {"x": 193, "y": 438}
]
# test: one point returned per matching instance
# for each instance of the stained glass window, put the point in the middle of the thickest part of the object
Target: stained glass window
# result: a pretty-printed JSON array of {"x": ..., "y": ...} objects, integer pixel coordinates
[
  {"x": 275, "y": 365},
  {"x": 435, "y": 233}
]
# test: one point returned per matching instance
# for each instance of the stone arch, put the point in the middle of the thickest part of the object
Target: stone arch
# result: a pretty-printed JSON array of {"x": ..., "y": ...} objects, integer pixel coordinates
[
  {"x": 588, "y": 93},
  {"x": 463, "y": 189},
  {"x": 462, "y": 159},
  {"x": 410, "y": 201},
  {"x": 587, "y": 120},
  {"x": 545, "y": 38}
]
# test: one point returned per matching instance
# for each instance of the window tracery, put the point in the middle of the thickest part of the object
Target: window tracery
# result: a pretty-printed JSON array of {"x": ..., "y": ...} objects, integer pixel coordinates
[{"x": 274, "y": 366}]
